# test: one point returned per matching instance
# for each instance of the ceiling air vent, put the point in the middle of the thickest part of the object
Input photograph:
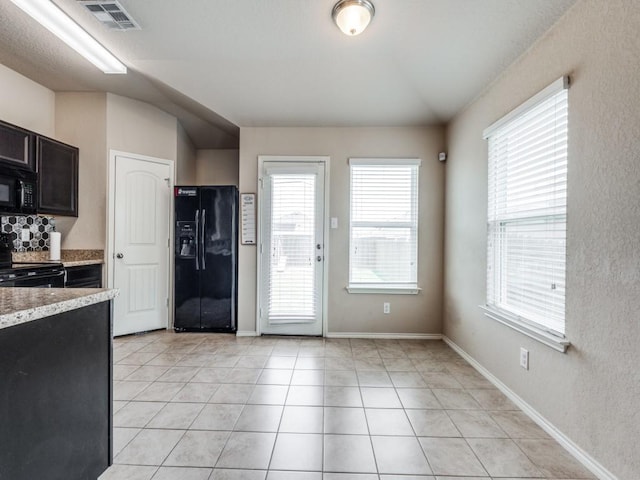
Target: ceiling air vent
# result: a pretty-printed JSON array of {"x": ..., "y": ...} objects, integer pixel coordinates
[{"x": 111, "y": 14}]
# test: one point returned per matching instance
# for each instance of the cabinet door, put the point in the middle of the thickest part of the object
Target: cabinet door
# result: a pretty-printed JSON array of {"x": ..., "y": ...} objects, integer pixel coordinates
[
  {"x": 57, "y": 178},
  {"x": 84, "y": 276},
  {"x": 16, "y": 146},
  {"x": 57, "y": 387}
]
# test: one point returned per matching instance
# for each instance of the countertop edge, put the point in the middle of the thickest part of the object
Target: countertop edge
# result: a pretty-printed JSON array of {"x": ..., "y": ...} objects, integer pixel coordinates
[
  {"x": 79, "y": 263},
  {"x": 82, "y": 297}
]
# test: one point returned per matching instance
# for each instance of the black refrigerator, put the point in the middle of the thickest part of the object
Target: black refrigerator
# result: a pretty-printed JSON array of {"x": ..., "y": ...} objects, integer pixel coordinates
[{"x": 206, "y": 247}]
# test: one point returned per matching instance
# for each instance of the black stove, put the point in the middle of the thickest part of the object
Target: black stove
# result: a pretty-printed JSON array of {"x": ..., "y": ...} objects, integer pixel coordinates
[
  {"x": 41, "y": 275},
  {"x": 33, "y": 275}
]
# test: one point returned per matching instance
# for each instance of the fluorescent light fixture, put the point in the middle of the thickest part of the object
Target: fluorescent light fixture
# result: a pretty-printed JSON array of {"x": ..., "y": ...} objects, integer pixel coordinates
[{"x": 62, "y": 26}]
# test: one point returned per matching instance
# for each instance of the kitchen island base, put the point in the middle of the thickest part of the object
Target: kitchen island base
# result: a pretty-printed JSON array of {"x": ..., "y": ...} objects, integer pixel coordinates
[{"x": 56, "y": 396}]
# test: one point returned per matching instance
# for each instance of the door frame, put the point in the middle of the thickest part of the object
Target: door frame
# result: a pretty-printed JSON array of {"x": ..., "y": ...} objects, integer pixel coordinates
[
  {"x": 110, "y": 250},
  {"x": 325, "y": 160}
]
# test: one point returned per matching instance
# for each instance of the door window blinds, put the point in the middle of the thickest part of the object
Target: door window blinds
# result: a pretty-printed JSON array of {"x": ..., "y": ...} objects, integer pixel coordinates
[
  {"x": 527, "y": 208},
  {"x": 291, "y": 287},
  {"x": 384, "y": 223}
]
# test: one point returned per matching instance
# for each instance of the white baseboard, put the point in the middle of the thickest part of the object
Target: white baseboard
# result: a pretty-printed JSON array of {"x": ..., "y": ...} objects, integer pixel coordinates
[
  {"x": 578, "y": 453},
  {"x": 246, "y": 333},
  {"x": 391, "y": 336}
]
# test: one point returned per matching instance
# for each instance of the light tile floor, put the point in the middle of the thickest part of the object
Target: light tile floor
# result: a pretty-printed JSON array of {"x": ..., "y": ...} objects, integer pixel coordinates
[{"x": 216, "y": 407}]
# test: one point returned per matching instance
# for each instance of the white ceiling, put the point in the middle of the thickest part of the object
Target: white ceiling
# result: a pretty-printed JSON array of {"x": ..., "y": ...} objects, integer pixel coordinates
[{"x": 220, "y": 64}]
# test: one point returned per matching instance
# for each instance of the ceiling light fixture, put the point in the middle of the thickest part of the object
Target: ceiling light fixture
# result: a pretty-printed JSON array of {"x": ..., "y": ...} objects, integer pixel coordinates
[
  {"x": 62, "y": 26},
  {"x": 353, "y": 16}
]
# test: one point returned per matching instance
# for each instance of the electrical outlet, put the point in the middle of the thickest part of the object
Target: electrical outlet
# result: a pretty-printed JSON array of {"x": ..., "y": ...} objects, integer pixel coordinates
[
  {"x": 386, "y": 307},
  {"x": 524, "y": 358},
  {"x": 25, "y": 235}
]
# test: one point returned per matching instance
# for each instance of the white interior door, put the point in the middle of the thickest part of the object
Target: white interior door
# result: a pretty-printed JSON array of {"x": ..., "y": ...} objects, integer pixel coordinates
[
  {"x": 292, "y": 248},
  {"x": 141, "y": 219}
]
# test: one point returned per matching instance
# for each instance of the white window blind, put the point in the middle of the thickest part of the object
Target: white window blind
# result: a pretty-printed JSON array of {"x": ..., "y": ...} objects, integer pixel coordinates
[
  {"x": 384, "y": 223},
  {"x": 527, "y": 211},
  {"x": 291, "y": 289}
]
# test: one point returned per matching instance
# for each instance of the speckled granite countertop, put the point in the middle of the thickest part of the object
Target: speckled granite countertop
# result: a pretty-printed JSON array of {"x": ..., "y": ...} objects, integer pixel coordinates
[
  {"x": 68, "y": 258},
  {"x": 78, "y": 263},
  {"x": 22, "y": 305}
]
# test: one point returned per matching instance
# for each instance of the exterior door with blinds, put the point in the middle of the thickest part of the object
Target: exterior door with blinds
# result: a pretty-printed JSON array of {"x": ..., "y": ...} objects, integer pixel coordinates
[{"x": 291, "y": 247}]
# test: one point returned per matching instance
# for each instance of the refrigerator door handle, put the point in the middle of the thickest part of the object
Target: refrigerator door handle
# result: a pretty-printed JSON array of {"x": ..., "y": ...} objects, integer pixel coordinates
[
  {"x": 203, "y": 245},
  {"x": 197, "y": 225}
]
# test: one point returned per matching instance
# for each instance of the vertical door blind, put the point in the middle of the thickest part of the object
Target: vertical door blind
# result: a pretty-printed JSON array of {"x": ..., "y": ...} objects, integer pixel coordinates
[
  {"x": 291, "y": 289},
  {"x": 384, "y": 223},
  {"x": 527, "y": 211}
]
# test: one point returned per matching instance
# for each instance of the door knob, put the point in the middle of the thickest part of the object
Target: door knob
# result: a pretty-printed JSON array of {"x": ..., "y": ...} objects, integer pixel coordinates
[{"x": 119, "y": 255}]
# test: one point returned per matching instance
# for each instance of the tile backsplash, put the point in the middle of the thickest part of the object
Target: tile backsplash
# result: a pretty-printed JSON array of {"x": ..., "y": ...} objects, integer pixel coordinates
[{"x": 39, "y": 229}]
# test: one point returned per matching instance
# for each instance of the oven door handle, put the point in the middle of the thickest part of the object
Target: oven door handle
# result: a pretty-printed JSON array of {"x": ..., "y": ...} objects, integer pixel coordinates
[
  {"x": 20, "y": 278},
  {"x": 55, "y": 273},
  {"x": 38, "y": 276}
]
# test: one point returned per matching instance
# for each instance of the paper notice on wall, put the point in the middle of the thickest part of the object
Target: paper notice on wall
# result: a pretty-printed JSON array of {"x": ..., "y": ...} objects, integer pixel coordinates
[{"x": 248, "y": 218}]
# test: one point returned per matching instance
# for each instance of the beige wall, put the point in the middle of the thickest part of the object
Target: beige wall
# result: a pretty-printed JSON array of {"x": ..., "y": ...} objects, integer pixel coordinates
[
  {"x": 591, "y": 393},
  {"x": 137, "y": 127},
  {"x": 356, "y": 312},
  {"x": 98, "y": 123},
  {"x": 217, "y": 167},
  {"x": 185, "y": 158},
  {"x": 26, "y": 103},
  {"x": 81, "y": 120}
]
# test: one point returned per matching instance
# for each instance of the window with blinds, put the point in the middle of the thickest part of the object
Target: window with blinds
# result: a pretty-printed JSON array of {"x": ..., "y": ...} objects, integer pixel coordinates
[
  {"x": 291, "y": 289},
  {"x": 384, "y": 225},
  {"x": 527, "y": 211}
]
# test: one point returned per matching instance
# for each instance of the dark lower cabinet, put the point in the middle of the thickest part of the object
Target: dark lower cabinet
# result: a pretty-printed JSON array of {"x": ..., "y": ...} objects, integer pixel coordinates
[
  {"x": 56, "y": 396},
  {"x": 57, "y": 165},
  {"x": 83, "y": 276}
]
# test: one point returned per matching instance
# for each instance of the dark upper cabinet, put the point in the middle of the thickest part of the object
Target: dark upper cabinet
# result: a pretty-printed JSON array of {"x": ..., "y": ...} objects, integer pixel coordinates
[
  {"x": 17, "y": 146},
  {"x": 55, "y": 162},
  {"x": 57, "y": 165}
]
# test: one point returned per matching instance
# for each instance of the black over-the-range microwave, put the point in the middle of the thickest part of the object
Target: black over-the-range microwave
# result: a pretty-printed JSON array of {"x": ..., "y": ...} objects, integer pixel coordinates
[{"x": 17, "y": 190}]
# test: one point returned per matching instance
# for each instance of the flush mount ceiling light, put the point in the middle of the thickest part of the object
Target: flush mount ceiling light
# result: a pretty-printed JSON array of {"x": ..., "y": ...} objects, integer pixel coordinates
[
  {"x": 353, "y": 16},
  {"x": 63, "y": 27}
]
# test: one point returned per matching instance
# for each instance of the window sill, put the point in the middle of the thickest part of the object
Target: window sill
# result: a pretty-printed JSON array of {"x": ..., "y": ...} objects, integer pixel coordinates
[
  {"x": 389, "y": 290},
  {"x": 559, "y": 343}
]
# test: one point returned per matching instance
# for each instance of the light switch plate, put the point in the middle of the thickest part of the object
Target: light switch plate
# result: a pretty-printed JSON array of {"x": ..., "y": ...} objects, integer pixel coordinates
[
  {"x": 26, "y": 235},
  {"x": 334, "y": 222}
]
